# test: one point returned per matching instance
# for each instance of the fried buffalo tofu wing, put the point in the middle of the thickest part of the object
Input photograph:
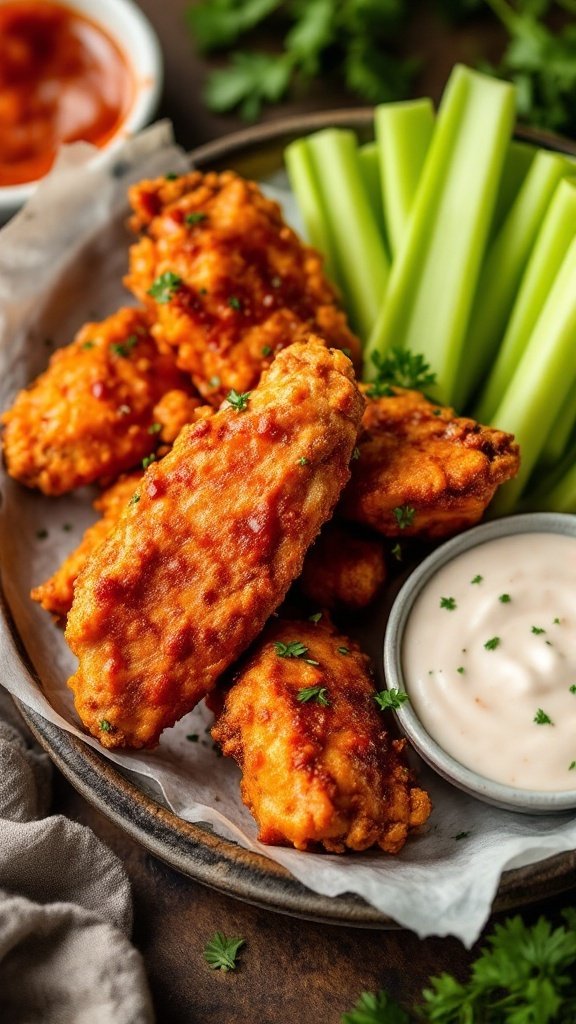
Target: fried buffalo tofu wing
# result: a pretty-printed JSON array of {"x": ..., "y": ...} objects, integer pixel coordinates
[
  {"x": 422, "y": 470},
  {"x": 89, "y": 416},
  {"x": 55, "y": 595},
  {"x": 228, "y": 282},
  {"x": 319, "y": 767},
  {"x": 343, "y": 569},
  {"x": 208, "y": 546}
]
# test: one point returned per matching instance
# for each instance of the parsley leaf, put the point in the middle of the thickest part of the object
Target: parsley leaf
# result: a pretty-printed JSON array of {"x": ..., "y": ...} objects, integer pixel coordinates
[
  {"x": 404, "y": 515},
  {"x": 318, "y": 694},
  {"x": 221, "y": 952},
  {"x": 239, "y": 402},
  {"x": 124, "y": 348},
  {"x": 492, "y": 644},
  {"x": 449, "y": 603},
  {"x": 376, "y": 1008},
  {"x": 250, "y": 80},
  {"x": 293, "y": 649},
  {"x": 399, "y": 368},
  {"x": 165, "y": 287},
  {"x": 195, "y": 218},
  {"x": 541, "y": 718},
  {"x": 390, "y": 699}
]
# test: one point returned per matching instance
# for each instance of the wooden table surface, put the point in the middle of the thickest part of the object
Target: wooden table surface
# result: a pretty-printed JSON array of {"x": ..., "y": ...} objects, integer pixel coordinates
[{"x": 290, "y": 970}]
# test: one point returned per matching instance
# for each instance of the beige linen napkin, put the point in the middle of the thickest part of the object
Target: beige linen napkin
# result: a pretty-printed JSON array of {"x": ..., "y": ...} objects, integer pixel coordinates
[{"x": 65, "y": 905}]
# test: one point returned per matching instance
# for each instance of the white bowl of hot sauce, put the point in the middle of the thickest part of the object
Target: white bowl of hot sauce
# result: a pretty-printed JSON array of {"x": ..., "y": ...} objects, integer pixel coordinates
[{"x": 71, "y": 70}]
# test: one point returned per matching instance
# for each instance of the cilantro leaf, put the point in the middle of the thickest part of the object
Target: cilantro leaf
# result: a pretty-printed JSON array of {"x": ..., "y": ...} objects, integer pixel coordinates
[{"x": 221, "y": 952}]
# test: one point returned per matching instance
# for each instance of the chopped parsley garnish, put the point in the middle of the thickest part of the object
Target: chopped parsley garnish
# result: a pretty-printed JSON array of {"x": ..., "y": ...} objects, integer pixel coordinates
[
  {"x": 504, "y": 598},
  {"x": 239, "y": 402},
  {"x": 492, "y": 644},
  {"x": 105, "y": 725},
  {"x": 148, "y": 460},
  {"x": 315, "y": 618},
  {"x": 193, "y": 737},
  {"x": 171, "y": 177},
  {"x": 343, "y": 650},
  {"x": 537, "y": 630},
  {"x": 573, "y": 688},
  {"x": 355, "y": 454},
  {"x": 572, "y": 766},
  {"x": 221, "y": 952},
  {"x": 266, "y": 350},
  {"x": 134, "y": 499},
  {"x": 317, "y": 694},
  {"x": 88, "y": 344},
  {"x": 390, "y": 699},
  {"x": 155, "y": 428},
  {"x": 124, "y": 348},
  {"x": 303, "y": 461},
  {"x": 461, "y": 835},
  {"x": 541, "y": 718},
  {"x": 165, "y": 287},
  {"x": 41, "y": 534},
  {"x": 404, "y": 515},
  {"x": 293, "y": 649},
  {"x": 449, "y": 603},
  {"x": 397, "y": 552},
  {"x": 399, "y": 368},
  {"x": 196, "y": 217},
  {"x": 460, "y": 669},
  {"x": 234, "y": 303},
  {"x": 477, "y": 579},
  {"x": 556, "y": 622}
]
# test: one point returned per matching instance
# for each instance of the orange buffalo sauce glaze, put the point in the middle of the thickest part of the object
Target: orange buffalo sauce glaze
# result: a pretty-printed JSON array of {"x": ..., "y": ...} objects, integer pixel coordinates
[{"x": 62, "y": 78}]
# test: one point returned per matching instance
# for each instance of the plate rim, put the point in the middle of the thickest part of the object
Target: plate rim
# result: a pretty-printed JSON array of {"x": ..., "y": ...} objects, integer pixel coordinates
[{"x": 187, "y": 847}]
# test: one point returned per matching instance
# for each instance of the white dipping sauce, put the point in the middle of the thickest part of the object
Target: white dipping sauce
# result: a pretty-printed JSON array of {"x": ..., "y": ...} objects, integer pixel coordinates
[{"x": 489, "y": 660}]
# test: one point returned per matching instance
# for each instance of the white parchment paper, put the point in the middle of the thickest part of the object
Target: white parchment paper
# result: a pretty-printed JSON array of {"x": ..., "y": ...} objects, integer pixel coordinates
[{"x": 61, "y": 263}]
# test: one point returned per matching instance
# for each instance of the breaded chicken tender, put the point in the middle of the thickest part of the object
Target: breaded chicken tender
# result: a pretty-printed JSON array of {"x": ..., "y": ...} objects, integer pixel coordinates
[
  {"x": 208, "y": 546},
  {"x": 318, "y": 764},
  {"x": 55, "y": 595},
  {"x": 343, "y": 569},
  {"x": 229, "y": 283},
  {"x": 175, "y": 410},
  {"x": 422, "y": 470},
  {"x": 89, "y": 416}
]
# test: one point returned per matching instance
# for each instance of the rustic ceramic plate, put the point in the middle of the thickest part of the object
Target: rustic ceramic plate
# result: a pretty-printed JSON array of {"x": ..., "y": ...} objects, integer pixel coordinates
[{"x": 190, "y": 848}]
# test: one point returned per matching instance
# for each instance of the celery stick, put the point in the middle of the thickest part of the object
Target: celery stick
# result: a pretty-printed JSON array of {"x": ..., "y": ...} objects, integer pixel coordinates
[
  {"x": 560, "y": 433},
  {"x": 502, "y": 270},
  {"x": 557, "y": 491},
  {"x": 403, "y": 134},
  {"x": 542, "y": 381},
  {"x": 370, "y": 170},
  {"x": 435, "y": 271},
  {"x": 517, "y": 163},
  {"x": 309, "y": 199},
  {"x": 557, "y": 231},
  {"x": 361, "y": 257}
]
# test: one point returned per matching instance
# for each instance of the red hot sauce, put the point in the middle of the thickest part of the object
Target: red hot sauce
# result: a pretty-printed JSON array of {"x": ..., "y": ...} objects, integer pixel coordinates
[{"x": 62, "y": 78}]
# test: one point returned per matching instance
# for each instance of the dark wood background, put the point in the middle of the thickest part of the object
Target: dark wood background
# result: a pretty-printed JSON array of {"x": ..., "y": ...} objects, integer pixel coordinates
[{"x": 290, "y": 970}]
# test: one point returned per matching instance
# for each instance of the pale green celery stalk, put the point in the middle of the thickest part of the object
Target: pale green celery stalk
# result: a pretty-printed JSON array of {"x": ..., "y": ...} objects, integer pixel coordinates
[
  {"x": 403, "y": 134},
  {"x": 359, "y": 249},
  {"x": 556, "y": 492},
  {"x": 370, "y": 170},
  {"x": 435, "y": 271},
  {"x": 542, "y": 380},
  {"x": 517, "y": 161},
  {"x": 308, "y": 197},
  {"x": 555, "y": 236},
  {"x": 560, "y": 434},
  {"x": 502, "y": 271}
]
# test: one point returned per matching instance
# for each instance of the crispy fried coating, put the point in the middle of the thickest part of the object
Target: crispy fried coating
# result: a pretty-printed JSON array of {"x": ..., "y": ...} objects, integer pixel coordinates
[
  {"x": 209, "y": 545},
  {"x": 343, "y": 569},
  {"x": 422, "y": 470},
  {"x": 87, "y": 418},
  {"x": 55, "y": 595},
  {"x": 234, "y": 284},
  {"x": 322, "y": 771},
  {"x": 175, "y": 410}
]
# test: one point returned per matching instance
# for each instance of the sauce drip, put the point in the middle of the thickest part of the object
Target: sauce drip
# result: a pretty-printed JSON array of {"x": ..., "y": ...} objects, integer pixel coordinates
[
  {"x": 489, "y": 660},
  {"x": 62, "y": 78}
]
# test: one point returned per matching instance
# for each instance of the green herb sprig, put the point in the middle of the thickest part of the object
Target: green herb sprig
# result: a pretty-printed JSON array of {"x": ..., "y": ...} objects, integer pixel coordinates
[{"x": 221, "y": 952}]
